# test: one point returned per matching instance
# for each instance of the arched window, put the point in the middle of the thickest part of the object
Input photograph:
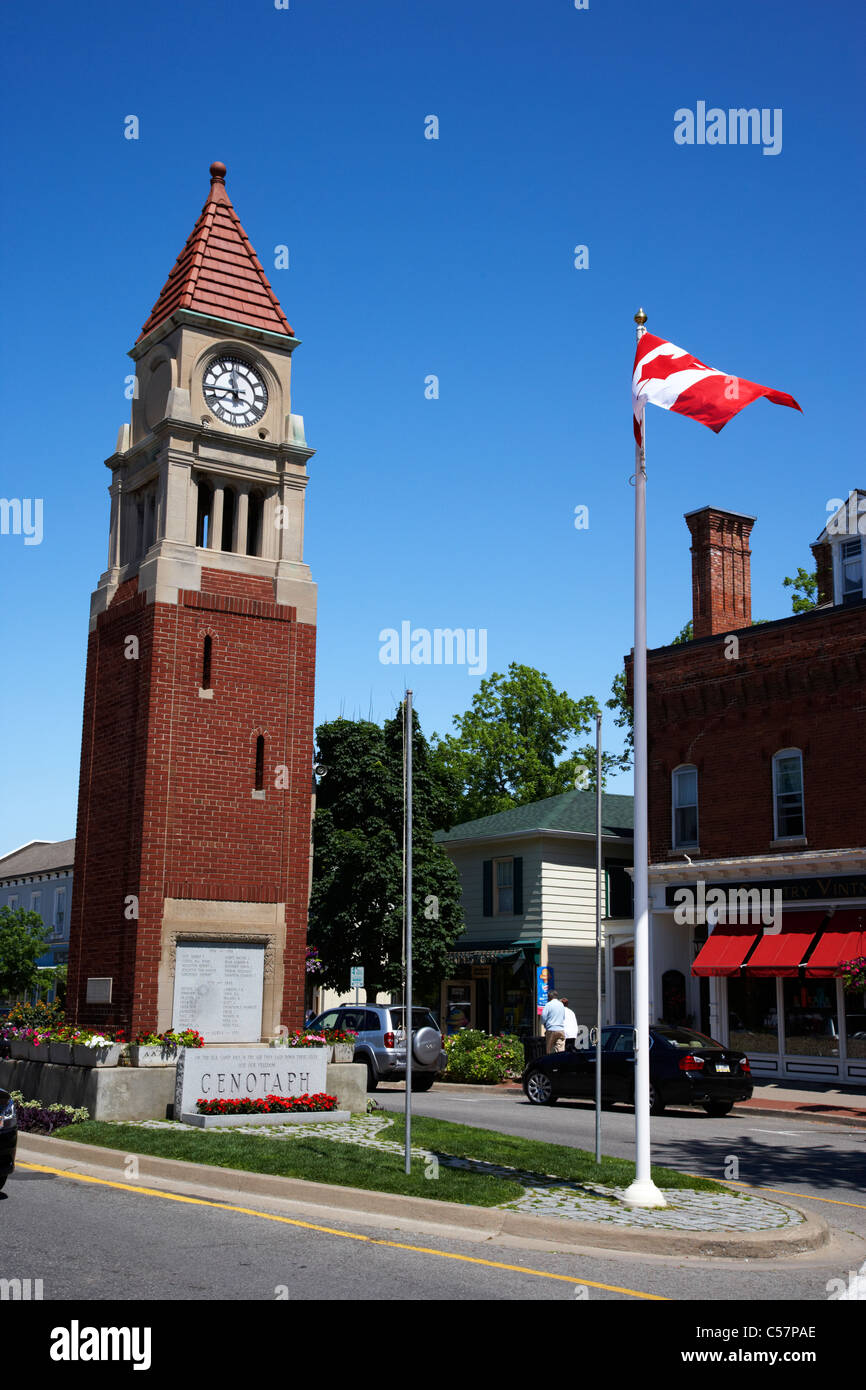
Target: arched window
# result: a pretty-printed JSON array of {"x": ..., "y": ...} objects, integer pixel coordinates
[
  {"x": 254, "y": 524},
  {"x": 260, "y": 763},
  {"x": 789, "y": 814},
  {"x": 203, "y": 519},
  {"x": 206, "y": 663},
  {"x": 685, "y": 807}
]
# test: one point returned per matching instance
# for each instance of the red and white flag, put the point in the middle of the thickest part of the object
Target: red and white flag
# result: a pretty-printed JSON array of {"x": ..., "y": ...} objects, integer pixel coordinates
[{"x": 669, "y": 376}]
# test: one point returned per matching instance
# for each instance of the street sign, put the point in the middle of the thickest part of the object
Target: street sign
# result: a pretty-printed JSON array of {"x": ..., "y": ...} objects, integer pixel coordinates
[{"x": 356, "y": 976}]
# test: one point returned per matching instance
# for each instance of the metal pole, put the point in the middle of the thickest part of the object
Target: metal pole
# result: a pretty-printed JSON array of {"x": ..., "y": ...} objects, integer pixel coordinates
[
  {"x": 598, "y": 937},
  {"x": 643, "y": 1191},
  {"x": 407, "y": 917}
]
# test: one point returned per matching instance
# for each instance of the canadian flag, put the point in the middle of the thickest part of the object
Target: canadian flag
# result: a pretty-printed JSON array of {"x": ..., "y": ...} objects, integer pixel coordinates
[{"x": 669, "y": 376}]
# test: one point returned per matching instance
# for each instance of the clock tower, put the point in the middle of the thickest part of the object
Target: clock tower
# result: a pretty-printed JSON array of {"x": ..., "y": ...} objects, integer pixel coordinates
[{"x": 192, "y": 851}]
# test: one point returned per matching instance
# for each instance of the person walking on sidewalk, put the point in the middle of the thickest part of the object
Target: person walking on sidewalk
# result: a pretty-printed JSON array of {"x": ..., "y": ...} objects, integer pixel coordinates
[{"x": 553, "y": 1023}]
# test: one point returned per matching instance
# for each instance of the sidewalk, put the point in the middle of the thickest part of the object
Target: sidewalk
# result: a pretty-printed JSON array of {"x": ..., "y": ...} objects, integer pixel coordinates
[{"x": 809, "y": 1100}]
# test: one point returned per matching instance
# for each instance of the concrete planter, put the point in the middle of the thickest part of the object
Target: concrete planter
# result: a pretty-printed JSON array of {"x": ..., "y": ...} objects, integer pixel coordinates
[
  {"x": 343, "y": 1052},
  {"x": 19, "y": 1050},
  {"x": 152, "y": 1055},
  {"x": 96, "y": 1056},
  {"x": 234, "y": 1121},
  {"x": 60, "y": 1052},
  {"x": 37, "y": 1052}
]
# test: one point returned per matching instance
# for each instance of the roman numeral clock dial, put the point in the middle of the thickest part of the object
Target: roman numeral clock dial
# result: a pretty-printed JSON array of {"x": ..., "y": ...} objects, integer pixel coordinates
[{"x": 234, "y": 391}]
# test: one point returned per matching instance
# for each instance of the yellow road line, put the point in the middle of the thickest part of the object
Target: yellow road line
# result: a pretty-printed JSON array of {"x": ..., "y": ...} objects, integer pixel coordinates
[
  {"x": 331, "y": 1231},
  {"x": 834, "y": 1201},
  {"x": 781, "y": 1191}
]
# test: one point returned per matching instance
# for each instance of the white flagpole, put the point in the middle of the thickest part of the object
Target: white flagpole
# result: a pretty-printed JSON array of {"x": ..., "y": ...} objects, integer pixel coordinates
[
  {"x": 408, "y": 727},
  {"x": 643, "y": 1191}
]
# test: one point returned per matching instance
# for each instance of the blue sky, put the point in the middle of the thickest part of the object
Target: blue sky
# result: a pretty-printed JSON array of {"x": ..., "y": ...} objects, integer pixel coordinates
[{"x": 454, "y": 257}]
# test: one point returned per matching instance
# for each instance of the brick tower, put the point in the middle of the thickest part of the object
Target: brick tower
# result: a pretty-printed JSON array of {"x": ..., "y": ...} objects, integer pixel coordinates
[{"x": 191, "y": 872}]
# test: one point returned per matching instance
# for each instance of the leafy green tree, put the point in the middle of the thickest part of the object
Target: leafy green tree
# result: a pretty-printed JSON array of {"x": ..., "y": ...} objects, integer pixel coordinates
[
  {"x": 509, "y": 747},
  {"x": 685, "y": 634},
  {"x": 356, "y": 905},
  {"x": 23, "y": 939},
  {"x": 623, "y": 718},
  {"x": 805, "y": 586}
]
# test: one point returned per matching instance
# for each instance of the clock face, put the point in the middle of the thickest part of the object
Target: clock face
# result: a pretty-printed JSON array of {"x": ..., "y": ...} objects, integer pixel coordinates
[{"x": 234, "y": 391}]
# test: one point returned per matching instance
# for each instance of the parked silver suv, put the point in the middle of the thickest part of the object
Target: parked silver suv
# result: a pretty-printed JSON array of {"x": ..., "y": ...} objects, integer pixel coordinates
[{"x": 381, "y": 1041}]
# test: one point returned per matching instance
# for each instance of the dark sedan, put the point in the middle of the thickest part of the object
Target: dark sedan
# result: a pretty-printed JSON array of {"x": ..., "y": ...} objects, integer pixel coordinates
[
  {"x": 686, "y": 1068},
  {"x": 8, "y": 1135}
]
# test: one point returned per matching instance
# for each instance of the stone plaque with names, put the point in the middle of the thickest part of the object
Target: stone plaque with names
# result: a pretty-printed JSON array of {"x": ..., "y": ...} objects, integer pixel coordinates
[
  {"x": 218, "y": 990},
  {"x": 227, "y": 1073}
]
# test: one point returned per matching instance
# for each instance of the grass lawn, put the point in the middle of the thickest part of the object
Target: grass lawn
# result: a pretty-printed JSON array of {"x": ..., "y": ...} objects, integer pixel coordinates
[
  {"x": 312, "y": 1158},
  {"x": 351, "y": 1165},
  {"x": 554, "y": 1160}
]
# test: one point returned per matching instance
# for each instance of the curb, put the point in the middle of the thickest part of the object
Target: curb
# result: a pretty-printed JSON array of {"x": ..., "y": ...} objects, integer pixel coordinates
[
  {"x": 459, "y": 1221},
  {"x": 850, "y": 1117}
]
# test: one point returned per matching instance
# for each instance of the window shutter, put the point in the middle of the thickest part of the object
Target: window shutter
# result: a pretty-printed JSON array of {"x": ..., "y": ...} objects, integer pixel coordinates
[
  {"x": 518, "y": 887},
  {"x": 487, "y": 887}
]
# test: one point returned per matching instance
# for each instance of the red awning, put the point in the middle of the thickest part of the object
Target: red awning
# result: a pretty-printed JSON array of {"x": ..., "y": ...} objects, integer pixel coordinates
[
  {"x": 844, "y": 938},
  {"x": 725, "y": 950},
  {"x": 780, "y": 953}
]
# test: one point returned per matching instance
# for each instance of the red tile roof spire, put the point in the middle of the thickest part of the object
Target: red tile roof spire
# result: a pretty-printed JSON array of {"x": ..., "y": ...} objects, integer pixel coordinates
[{"x": 218, "y": 272}]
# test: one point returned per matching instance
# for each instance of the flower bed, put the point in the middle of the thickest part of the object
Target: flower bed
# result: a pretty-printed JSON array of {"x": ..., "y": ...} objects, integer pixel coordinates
[
  {"x": 271, "y": 1105},
  {"x": 301, "y": 1038},
  {"x": 70, "y": 1045},
  {"x": 183, "y": 1037},
  {"x": 36, "y": 1118},
  {"x": 478, "y": 1058}
]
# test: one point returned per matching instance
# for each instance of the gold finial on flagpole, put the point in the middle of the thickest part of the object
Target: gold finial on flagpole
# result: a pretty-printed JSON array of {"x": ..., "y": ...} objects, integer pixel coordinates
[{"x": 640, "y": 318}]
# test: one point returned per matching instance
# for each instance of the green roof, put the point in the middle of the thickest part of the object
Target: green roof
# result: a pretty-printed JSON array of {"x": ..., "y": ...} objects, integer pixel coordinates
[{"x": 572, "y": 812}]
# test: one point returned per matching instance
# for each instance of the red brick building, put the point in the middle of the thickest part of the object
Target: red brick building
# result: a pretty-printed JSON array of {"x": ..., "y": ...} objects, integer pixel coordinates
[
  {"x": 757, "y": 790},
  {"x": 193, "y": 836}
]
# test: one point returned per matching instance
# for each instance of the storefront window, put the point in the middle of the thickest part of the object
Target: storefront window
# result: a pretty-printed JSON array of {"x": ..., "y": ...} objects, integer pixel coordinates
[
  {"x": 811, "y": 1028},
  {"x": 458, "y": 1001},
  {"x": 623, "y": 970},
  {"x": 753, "y": 1020},
  {"x": 513, "y": 997},
  {"x": 855, "y": 1022}
]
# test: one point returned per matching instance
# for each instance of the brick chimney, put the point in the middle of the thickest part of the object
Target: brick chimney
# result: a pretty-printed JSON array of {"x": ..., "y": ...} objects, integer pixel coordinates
[
  {"x": 823, "y": 555},
  {"x": 721, "y": 570}
]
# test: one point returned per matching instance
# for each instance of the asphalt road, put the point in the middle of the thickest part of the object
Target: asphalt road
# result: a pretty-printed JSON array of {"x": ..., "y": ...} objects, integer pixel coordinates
[
  {"x": 823, "y": 1162},
  {"x": 97, "y": 1240}
]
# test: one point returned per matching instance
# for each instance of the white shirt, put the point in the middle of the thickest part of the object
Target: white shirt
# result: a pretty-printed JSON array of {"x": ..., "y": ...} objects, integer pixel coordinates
[{"x": 570, "y": 1024}]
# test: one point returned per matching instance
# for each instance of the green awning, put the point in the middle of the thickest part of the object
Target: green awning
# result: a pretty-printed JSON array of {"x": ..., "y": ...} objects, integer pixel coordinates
[{"x": 487, "y": 955}]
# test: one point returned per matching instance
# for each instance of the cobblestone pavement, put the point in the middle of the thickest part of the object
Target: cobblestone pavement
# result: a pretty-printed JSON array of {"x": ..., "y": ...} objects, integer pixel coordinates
[{"x": 545, "y": 1194}]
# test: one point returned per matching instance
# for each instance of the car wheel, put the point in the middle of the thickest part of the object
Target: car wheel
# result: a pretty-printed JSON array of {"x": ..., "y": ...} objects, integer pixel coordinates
[
  {"x": 717, "y": 1108},
  {"x": 539, "y": 1088},
  {"x": 372, "y": 1078},
  {"x": 422, "y": 1083}
]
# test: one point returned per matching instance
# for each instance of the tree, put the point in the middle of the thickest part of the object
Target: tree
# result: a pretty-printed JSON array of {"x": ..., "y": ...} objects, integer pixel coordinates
[
  {"x": 508, "y": 749},
  {"x": 685, "y": 634},
  {"x": 624, "y": 718},
  {"x": 805, "y": 586},
  {"x": 23, "y": 939},
  {"x": 356, "y": 905}
]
